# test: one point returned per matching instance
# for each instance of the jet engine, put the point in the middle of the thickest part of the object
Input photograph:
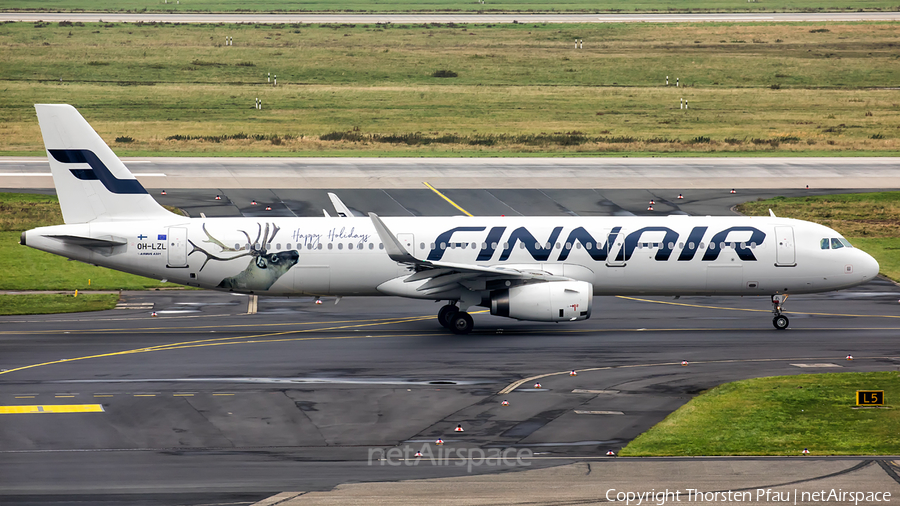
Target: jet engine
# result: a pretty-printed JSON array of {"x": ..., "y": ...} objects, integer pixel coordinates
[{"x": 552, "y": 301}]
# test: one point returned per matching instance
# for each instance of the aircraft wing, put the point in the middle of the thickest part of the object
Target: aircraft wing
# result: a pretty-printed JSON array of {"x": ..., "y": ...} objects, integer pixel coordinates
[
  {"x": 342, "y": 210},
  {"x": 441, "y": 275}
]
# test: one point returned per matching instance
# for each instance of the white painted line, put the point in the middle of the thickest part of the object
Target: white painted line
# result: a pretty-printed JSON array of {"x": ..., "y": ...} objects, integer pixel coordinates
[
  {"x": 582, "y": 391},
  {"x": 816, "y": 365},
  {"x": 583, "y": 412}
]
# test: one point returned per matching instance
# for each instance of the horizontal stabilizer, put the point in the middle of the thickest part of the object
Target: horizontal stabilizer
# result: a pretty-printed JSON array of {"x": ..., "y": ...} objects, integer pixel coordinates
[{"x": 91, "y": 242}]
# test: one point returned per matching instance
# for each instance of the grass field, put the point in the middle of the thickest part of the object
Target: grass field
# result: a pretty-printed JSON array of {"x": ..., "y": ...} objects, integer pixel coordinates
[
  {"x": 56, "y": 303},
  {"x": 871, "y": 221},
  {"x": 780, "y": 416},
  {"x": 519, "y": 89},
  {"x": 446, "y": 6}
]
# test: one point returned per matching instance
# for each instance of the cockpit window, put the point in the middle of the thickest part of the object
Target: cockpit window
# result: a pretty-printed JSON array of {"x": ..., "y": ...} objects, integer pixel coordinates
[{"x": 834, "y": 243}]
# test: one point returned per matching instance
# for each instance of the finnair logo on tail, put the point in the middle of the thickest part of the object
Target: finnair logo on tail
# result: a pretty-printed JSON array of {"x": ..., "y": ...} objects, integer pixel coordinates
[{"x": 98, "y": 171}]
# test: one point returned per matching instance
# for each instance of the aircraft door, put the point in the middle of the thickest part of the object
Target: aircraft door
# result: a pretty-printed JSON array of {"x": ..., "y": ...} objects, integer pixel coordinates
[
  {"x": 785, "y": 256},
  {"x": 176, "y": 247},
  {"x": 409, "y": 242},
  {"x": 615, "y": 244}
]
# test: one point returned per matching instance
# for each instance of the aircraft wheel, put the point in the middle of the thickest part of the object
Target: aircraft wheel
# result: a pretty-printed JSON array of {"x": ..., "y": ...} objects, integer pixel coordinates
[
  {"x": 781, "y": 322},
  {"x": 445, "y": 314},
  {"x": 461, "y": 323}
]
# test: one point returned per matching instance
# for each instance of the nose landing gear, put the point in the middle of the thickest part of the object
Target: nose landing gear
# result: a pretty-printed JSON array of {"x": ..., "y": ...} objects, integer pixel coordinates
[{"x": 780, "y": 321}]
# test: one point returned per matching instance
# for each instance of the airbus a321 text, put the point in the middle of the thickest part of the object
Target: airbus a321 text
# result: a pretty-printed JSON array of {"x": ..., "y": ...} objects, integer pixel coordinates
[{"x": 544, "y": 269}]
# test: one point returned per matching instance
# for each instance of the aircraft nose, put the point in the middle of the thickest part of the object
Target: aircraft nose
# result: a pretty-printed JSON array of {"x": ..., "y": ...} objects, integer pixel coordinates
[{"x": 868, "y": 267}]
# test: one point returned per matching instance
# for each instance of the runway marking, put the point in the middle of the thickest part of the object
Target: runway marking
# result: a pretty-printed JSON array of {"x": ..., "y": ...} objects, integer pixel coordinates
[
  {"x": 232, "y": 340},
  {"x": 223, "y": 394},
  {"x": 441, "y": 195},
  {"x": 145, "y": 395},
  {"x": 25, "y": 396},
  {"x": 64, "y": 396},
  {"x": 516, "y": 384},
  {"x": 700, "y": 306},
  {"x": 102, "y": 395},
  {"x": 51, "y": 408},
  {"x": 182, "y": 395},
  {"x": 201, "y": 327}
]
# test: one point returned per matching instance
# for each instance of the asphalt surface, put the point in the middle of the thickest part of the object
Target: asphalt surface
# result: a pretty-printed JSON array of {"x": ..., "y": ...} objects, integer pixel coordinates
[
  {"x": 208, "y": 404},
  {"x": 486, "y": 173},
  {"x": 148, "y": 17}
]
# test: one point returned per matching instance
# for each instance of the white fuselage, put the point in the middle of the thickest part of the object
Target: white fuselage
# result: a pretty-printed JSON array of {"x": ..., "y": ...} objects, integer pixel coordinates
[{"x": 671, "y": 255}]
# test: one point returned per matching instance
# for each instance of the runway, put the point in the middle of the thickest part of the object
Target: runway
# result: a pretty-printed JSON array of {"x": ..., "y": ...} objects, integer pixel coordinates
[
  {"x": 147, "y": 17},
  {"x": 485, "y": 173},
  {"x": 208, "y": 404}
]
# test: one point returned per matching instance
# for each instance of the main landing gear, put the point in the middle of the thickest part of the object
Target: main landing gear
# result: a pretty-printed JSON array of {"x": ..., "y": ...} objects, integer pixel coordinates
[
  {"x": 459, "y": 322},
  {"x": 780, "y": 321}
]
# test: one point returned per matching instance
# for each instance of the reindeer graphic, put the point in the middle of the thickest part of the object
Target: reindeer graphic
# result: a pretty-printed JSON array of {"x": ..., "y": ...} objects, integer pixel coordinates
[{"x": 264, "y": 268}]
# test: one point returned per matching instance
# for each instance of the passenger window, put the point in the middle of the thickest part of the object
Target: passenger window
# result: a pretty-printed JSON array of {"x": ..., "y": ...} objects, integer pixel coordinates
[
  {"x": 372, "y": 245},
  {"x": 824, "y": 243},
  {"x": 836, "y": 243},
  {"x": 340, "y": 245}
]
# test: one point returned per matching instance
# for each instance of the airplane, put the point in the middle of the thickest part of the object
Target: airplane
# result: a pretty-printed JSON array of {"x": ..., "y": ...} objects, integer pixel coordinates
[{"x": 546, "y": 269}]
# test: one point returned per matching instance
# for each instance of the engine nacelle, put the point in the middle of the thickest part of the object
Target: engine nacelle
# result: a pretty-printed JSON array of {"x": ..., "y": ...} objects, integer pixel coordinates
[{"x": 553, "y": 301}]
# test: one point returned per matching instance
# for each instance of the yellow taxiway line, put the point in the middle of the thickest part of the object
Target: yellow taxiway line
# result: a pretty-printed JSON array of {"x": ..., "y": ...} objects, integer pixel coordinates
[
  {"x": 441, "y": 195},
  {"x": 258, "y": 338},
  {"x": 752, "y": 310},
  {"x": 51, "y": 408}
]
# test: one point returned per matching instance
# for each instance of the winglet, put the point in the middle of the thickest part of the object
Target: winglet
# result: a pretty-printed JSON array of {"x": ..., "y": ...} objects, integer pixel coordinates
[
  {"x": 342, "y": 210},
  {"x": 772, "y": 214},
  {"x": 392, "y": 245}
]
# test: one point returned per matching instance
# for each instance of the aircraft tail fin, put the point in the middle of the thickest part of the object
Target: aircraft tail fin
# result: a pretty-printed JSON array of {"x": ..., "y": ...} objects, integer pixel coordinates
[{"x": 91, "y": 182}]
